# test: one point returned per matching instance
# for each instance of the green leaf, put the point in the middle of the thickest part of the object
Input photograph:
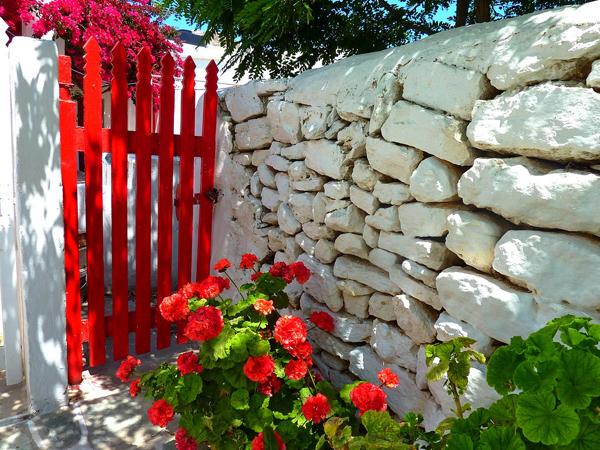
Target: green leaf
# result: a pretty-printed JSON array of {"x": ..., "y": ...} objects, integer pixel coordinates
[
  {"x": 237, "y": 377},
  {"x": 540, "y": 345},
  {"x": 257, "y": 419},
  {"x": 194, "y": 427},
  {"x": 246, "y": 287},
  {"x": 501, "y": 369},
  {"x": 331, "y": 426},
  {"x": 345, "y": 391},
  {"x": 534, "y": 380},
  {"x": 259, "y": 348},
  {"x": 505, "y": 409},
  {"x": 343, "y": 438},
  {"x": 280, "y": 300},
  {"x": 588, "y": 437},
  {"x": 502, "y": 438},
  {"x": 542, "y": 423},
  {"x": 321, "y": 442},
  {"x": 269, "y": 439},
  {"x": 458, "y": 370},
  {"x": 578, "y": 378},
  {"x": 189, "y": 387},
  {"x": 459, "y": 442},
  {"x": 240, "y": 399},
  {"x": 287, "y": 430},
  {"x": 437, "y": 371},
  {"x": 380, "y": 424}
]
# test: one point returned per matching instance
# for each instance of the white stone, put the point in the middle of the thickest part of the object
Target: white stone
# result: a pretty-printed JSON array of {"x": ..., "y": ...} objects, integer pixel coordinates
[
  {"x": 282, "y": 180},
  {"x": 277, "y": 147},
  {"x": 449, "y": 328},
  {"x": 294, "y": 290},
  {"x": 334, "y": 205},
  {"x": 243, "y": 103},
  {"x": 357, "y": 304},
  {"x": 310, "y": 185},
  {"x": 287, "y": 221},
  {"x": 407, "y": 397},
  {"x": 298, "y": 171},
  {"x": 383, "y": 259},
  {"x": 354, "y": 288},
  {"x": 364, "y": 200},
  {"x": 392, "y": 193},
  {"x": 421, "y": 220},
  {"x": 306, "y": 243},
  {"x": 278, "y": 163},
  {"x": 320, "y": 207},
  {"x": 335, "y": 128},
  {"x": 364, "y": 176},
  {"x": 593, "y": 79},
  {"x": 440, "y": 86},
  {"x": 382, "y": 307},
  {"x": 259, "y": 156},
  {"x": 440, "y": 135},
  {"x": 282, "y": 257},
  {"x": 365, "y": 273},
  {"x": 352, "y": 244},
  {"x": 314, "y": 121},
  {"x": 396, "y": 161},
  {"x": 353, "y": 139},
  {"x": 557, "y": 266},
  {"x": 414, "y": 288},
  {"x": 322, "y": 284},
  {"x": 388, "y": 92},
  {"x": 266, "y": 176},
  {"x": 385, "y": 219},
  {"x": 337, "y": 189},
  {"x": 415, "y": 318},
  {"x": 526, "y": 191},
  {"x": 294, "y": 152},
  {"x": 420, "y": 272},
  {"x": 270, "y": 87},
  {"x": 317, "y": 231},
  {"x": 292, "y": 250},
  {"x": 256, "y": 186},
  {"x": 432, "y": 254},
  {"x": 354, "y": 103},
  {"x": 422, "y": 368},
  {"x": 327, "y": 158},
  {"x": 473, "y": 236},
  {"x": 334, "y": 362},
  {"x": 548, "y": 121},
  {"x": 270, "y": 218},
  {"x": 331, "y": 344},
  {"x": 244, "y": 159},
  {"x": 325, "y": 251},
  {"x": 393, "y": 346},
  {"x": 284, "y": 120},
  {"x": 270, "y": 199},
  {"x": 253, "y": 134},
  {"x": 435, "y": 180},
  {"x": 302, "y": 206},
  {"x": 347, "y": 220},
  {"x": 370, "y": 235},
  {"x": 340, "y": 379},
  {"x": 433, "y": 415},
  {"x": 277, "y": 239},
  {"x": 321, "y": 367}
]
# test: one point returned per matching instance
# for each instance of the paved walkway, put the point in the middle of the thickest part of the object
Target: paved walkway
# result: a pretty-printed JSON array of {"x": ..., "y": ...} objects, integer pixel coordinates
[{"x": 101, "y": 416}]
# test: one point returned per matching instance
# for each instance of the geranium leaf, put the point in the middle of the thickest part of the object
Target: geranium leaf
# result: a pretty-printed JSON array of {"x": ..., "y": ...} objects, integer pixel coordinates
[
  {"x": 578, "y": 378},
  {"x": 345, "y": 391},
  {"x": 542, "y": 423},
  {"x": 459, "y": 442},
  {"x": 269, "y": 439},
  {"x": 189, "y": 386},
  {"x": 502, "y": 438},
  {"x": 505, "y": 409},
  {"x": 501, "y": 369},
  {"x": 380, "y": 424},
  {"x": 257, "y": 419},
  {"x": 246, "y": 287},
  {"x": 237, "y": 377},
  {"x": 534, "y": 380},
  {"x": 588, "y": 437},
  {"x": 287, "y": 430},
  {"x": 259, "y": 348},
  {"x": 240, "y": 399},
  {"x": 437, "y": 372},
  {"x": 540, "y": 345}
]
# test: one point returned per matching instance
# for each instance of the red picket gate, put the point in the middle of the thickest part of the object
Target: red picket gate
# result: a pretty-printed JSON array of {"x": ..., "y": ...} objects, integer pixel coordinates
[{"x": 93, "y": 140}]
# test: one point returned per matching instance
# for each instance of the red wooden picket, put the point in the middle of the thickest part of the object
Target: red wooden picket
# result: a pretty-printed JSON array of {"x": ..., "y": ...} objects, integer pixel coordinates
[
  {"x": 186, "y": 180},
  {"x": 207, "y": 180},
  {"x": 118, "y": 142},
  {"x": 92, "y": 120},
  {"x": 68, "y": 156},
  {"x": 143, "y": 210}
]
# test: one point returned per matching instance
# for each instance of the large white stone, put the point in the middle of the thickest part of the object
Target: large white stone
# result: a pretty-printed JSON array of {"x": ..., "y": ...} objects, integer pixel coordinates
[
  {"x": 270, "y": 87},
  {"x": 473, "y": 236},
  {"x": 440, "y": 135},
  {"x": 392, "y": 193},
  {"x": 352, "y": 244},
  {"x": 331, "y": 344},
  {"x": 414, "y": 288},
  {"x": 420, "y": 272},
  {"x": 311, "y": 185},
  {"x": 393, "y": 346},
  {"x": 354, "y": 102},
  {"x": 294, "y": 152},
  {"x": 449, "y": 328},
  {"x": 347, "y": 220},
  {"x": 593, "y": 79},
  {"x": 396, "y": 161},
  {"x": 266, "y": 176},
  {"x": 260, "y": 156},
  {"x": 557, "y": 266},
  {"x": 364, "y": 200},
  {"x": 527, "y": 191},
  {"x": 317, "y": 231},
  {"x": 388, "y": 92},
  {"x": 432, "y": 254},
  {"x": 298, "y": 171},
  {"x": 357, "y": 304},
  {"x": 370, "y": 235},
  {"x": 364, "y": 176},
  {"x": 302, "y": 206},
  {"x": 337, "y": 189},
  {"x": 306, "y": 243},
  {"x": 422, "y": 368},
  {"x": 277, "y": 239},
  {"x": 270, "y": 199},
  {"x": 419, "y": 219},
  {"x": 327, "y": 158},
  {"x": 440, "y": 86},
  {"x": 325, "y": 251},
  {"x": 407, "y": 397},
  {"x": 385, "y": 219},
  {"x": 243, "y": 103},
  {"x": 433, "y": 415},
  {"x": 287, "y": 222},
  {"x": 322, "y": 284},
  {"x": 314, "y": 121},
  {"x": 282, "y": 180},
  {"x": 256, "y": 186},
  {"x": 253, "y": 134},
  {"x": 548, "y": 121},
  {"x": 353, "y": 139},
  {"x": 383, "y": 259},
  {"x": 278, "y": 163},
  {"x": 415, "y": 318},
  {"x": 352, "y": 287},
  {"x": 340, "y": 379},
  {"x": 382, "y": 306},
  {"x": 435, "y": 180},
  {"x": 284, "y": 120},
  {"x": 365, "y": 273},
  {"x": 334, "y": 362}
]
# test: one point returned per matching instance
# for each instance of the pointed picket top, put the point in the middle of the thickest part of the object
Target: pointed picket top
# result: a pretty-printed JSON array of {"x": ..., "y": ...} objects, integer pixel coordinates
[
  {"x": 211, "y": 76},
  {"x": 119, "y": 61},
  {"x": 144, "y": 59},
  {"x": 92, "y": 53},
  {"x": 189, "y": 68},
  {"x": 3, "y": 35},
  {"x": 167, "y": 71}
]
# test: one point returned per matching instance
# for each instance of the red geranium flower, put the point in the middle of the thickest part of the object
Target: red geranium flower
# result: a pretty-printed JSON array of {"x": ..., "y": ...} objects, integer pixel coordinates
[
  {"x": 206, "y": 323},
  {"x": 282, "y": 270},
  {"x": 259, "y": 368},
  {"x": 290, "y": 331},
  {"x": 127, "y": 367},
  {"x": 254, "y": 276},
  {"x": 191, "y": 290},
  {"x": 296, "y": 369},
  {"x": 222, "y": 265},
  {"x": 185, "y": 442},
  {"x": 368, "y": 397},
  {"x": 248, "y": 261},
  {"x": 301, "y": 351},
  {"x": 211, "y": 287},
  {"x": 316, "y": 408},
  {"x": 175, "y": 307},
  {"x": 317, "y": 376},
  {"x": 160, "y": 413},
  {"x": 264, "y": 306},
  {"x": 389, "y": 378},
  {"x": 300, "y": 271},
  {"x": 134, "y": 389},
  {"x": 271, "y": 387},
  {"x": 322, "y": 320},
  {"x": 258, "y": 442},
  {"x": 188, "y": 363}
]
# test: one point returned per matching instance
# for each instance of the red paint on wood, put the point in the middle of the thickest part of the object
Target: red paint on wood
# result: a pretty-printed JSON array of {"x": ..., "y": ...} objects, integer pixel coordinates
[
  {"x": 118, "y": 143},
  {"x": 142, "y": 207},
  {"x": 68, "y": 156},
  {"x": 92, "y": 119},
  {"x": 207, "y": 181},
  {"x": 165, "y": 194}
]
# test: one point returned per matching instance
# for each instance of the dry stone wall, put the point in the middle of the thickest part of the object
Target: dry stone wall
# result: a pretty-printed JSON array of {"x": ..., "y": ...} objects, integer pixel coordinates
[{"x": 449, "y": 187}]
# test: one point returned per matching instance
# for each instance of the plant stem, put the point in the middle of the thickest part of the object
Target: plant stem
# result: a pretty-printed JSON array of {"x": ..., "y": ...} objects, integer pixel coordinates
[
  {"x": 459, "y": 411},
  {"x": 312, "y": 379},
  {"x": 236, "y": 286}
]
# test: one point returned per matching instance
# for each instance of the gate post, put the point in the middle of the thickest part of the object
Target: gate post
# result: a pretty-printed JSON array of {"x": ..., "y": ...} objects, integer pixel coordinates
[{"x": 39, "y": 219}]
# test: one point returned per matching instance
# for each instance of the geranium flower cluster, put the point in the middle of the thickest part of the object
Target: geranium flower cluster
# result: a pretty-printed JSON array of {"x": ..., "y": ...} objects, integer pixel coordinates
[
  {"x": 127, "y": 367},
  {"x": 258, "y": 442}
]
